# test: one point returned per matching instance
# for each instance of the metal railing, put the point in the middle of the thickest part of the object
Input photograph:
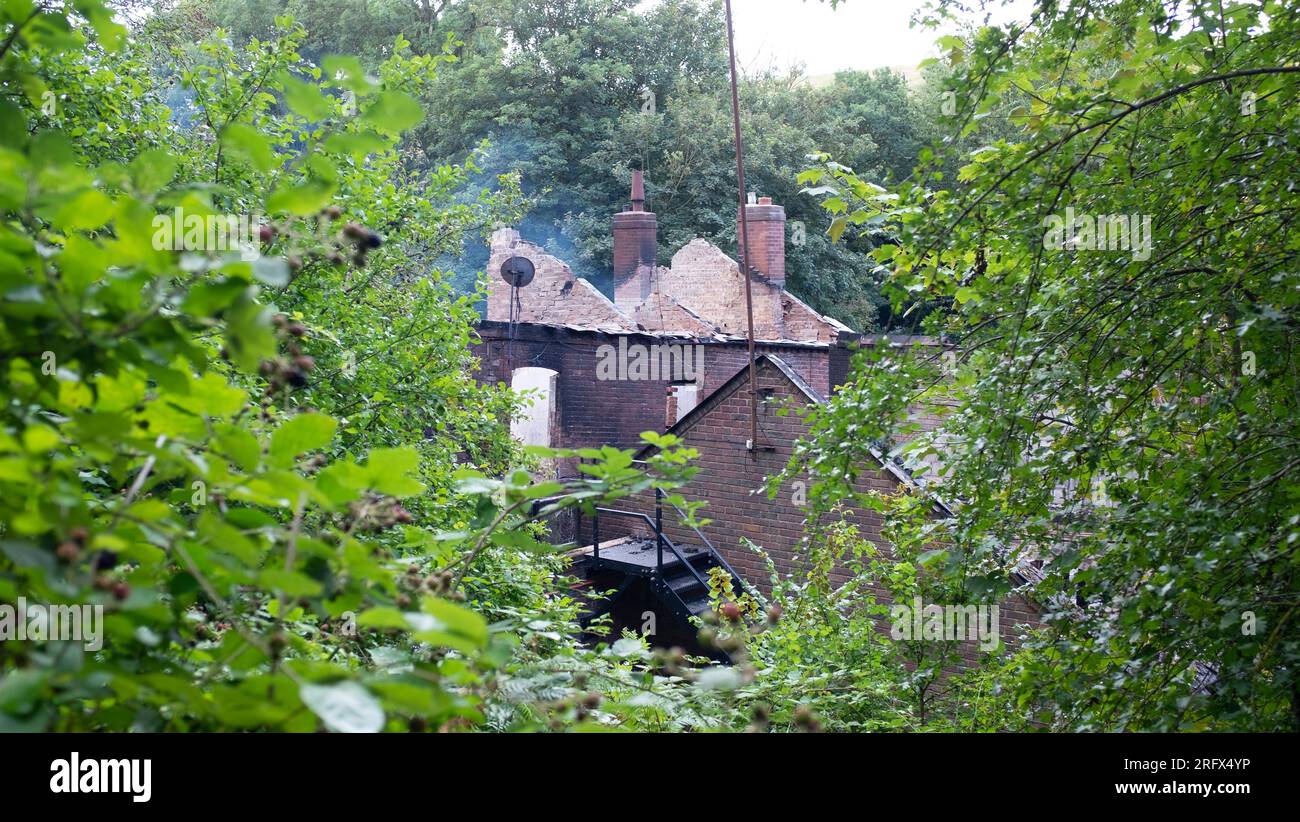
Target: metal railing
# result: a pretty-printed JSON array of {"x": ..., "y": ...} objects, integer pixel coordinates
[
  {"x": 662, "y": 541},
  {"x": 656, "y": 525},
  {"x": 717, "y": 555}
]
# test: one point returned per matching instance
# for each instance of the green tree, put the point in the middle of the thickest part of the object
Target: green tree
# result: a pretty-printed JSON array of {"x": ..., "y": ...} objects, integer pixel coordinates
[
  {"x": 1124, "y": 414},
  {"x": 272, "y": 471}
]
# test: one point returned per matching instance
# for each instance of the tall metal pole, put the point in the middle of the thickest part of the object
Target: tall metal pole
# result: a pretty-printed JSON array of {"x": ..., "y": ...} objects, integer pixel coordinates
[{"x": 744, "y": 238}]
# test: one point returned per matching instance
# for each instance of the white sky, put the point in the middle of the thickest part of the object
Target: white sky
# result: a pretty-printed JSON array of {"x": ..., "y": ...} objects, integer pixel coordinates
[{"x": 860, "y": 34}]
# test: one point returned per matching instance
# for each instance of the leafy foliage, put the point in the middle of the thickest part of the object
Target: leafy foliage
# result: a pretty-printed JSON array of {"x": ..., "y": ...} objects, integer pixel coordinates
[
  {"x": 573, "y": 95},
  {"x": 267, "y": 469},
  {"x": 1123, "y": 416}
]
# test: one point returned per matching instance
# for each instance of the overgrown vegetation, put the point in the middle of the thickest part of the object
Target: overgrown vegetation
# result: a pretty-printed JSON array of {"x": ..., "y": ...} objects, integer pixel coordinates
[
  {"x": 1123, "y": 415},
  {"x": 268, "y": 469},
  {"x": 268, "y": 461}
]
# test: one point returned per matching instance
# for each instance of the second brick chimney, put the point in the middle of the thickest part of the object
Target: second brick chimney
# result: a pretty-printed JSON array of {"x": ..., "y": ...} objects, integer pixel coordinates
[
  {"x": 766, "y": 224},
  {"x": 635, "y": 244}
]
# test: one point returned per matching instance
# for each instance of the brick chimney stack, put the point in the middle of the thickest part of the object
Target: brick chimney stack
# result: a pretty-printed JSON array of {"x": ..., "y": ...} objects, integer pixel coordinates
[
  {"x": 635, "y": 244},
  {"x": 766, "y": 224}
]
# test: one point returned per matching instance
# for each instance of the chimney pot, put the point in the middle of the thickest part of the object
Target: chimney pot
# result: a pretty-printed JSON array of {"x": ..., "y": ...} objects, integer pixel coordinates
[
  {"x": 766, "y": 223},
  {"x": 635, "y": 245},
  {"x": 638, "y": 190}
]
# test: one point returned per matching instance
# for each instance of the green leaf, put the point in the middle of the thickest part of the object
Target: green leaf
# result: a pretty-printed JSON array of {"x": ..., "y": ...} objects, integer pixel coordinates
[
  {"x": 19, "y": 690},
  {"x": 82, "y": 262},
  {"x": 301, "y": 199},
  {"x": 291, "y": 583},
  {"x": 152, "y": 170},
  {"x": 383, "y": 618},
  {"x": 444, "y": 623},
  {"x": 90, "y": 208},
  {"x": 345, "y": 707},
  {"x": 356, "y": 145},
  {"x": 928, "y": 558},
  {"x": 346, "y": 71},
  {"x": 305, "y": 432},
  {"x": 390, "y": 470},
  {"x": 305, "y": 99},
  {"x": 240, "y": 445},
  {"x": 393, "y": 112},
  {"x": 249, "y": 143}
]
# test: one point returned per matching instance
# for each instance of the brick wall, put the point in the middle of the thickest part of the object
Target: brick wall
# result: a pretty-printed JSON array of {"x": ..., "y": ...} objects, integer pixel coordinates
[
  {"x": 554, "y": 296},
  {"x": 708, "y": 282},
  {"x": 730, "y": 479},
  {"x": 595, "y": 412}
]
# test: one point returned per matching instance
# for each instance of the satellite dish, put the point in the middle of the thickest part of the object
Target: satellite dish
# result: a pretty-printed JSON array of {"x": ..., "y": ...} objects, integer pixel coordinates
[{"x": 518, "y": 271}]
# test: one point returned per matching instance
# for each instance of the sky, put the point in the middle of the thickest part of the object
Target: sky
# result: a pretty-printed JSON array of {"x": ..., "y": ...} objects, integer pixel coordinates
[{"x": 860, "y": 34}]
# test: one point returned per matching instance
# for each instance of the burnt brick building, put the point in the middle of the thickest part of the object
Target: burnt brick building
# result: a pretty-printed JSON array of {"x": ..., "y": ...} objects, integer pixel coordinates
[
  {"x": 552, "y": 333},
  {"x": 669, "y": 353}
]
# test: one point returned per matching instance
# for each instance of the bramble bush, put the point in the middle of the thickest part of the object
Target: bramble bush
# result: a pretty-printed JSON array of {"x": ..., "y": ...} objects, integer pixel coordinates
[
  {"x": 1120, "y": 415},
  {"x": 271, "y": 469}
]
